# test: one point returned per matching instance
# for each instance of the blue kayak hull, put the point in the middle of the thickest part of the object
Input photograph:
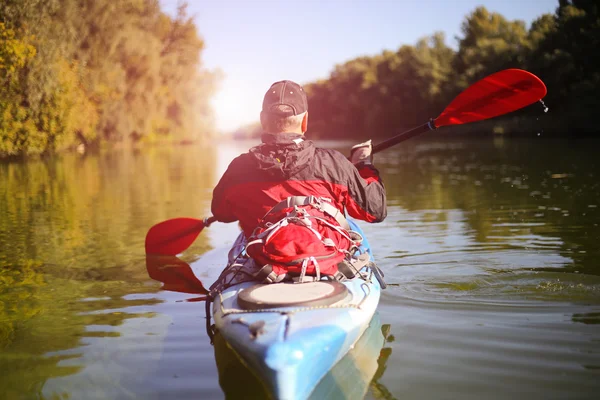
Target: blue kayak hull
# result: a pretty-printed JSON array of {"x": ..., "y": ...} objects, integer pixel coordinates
[
  {"x": 350, "y": 378},
  {"x": 296, "y": 346}
]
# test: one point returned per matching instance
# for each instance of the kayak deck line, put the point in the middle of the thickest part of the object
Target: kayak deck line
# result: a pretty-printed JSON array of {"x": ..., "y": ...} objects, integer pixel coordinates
[
  {"x": 290, "y": 310},
  {"x": 284, "y": 311}
]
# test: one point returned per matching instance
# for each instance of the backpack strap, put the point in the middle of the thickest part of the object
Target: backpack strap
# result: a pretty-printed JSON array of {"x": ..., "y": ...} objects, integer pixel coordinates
[
  {"x": 305, "y": 264},
  {"x": 349, "y": 268},
  {"x": 318, "y": 202},
  {"x": 266, "y": 275}
]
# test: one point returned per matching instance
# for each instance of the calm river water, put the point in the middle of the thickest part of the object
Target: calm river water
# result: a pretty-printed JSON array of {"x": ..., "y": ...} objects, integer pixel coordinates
[{"x": 491, "y": 252}]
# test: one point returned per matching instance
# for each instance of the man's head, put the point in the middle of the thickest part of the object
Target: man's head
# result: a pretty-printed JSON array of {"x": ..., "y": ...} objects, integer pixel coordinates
[{"x": 285, "y": 108}]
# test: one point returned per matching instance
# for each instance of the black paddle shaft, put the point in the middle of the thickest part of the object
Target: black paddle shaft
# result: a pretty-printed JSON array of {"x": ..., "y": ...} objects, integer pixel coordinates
[{"x": 403, "y": 136}]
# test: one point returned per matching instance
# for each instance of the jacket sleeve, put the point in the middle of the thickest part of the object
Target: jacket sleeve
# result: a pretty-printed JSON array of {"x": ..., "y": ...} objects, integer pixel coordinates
[
  {"x": 221, "y": 206},
  {"x": 366, "y": 194}
]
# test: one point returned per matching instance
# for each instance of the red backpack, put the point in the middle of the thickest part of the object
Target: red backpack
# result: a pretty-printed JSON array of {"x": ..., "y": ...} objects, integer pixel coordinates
[{"x": 301, "y": 236}]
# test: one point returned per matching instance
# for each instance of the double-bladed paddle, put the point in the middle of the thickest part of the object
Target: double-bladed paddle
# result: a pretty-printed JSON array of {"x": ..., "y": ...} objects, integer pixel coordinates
[{"x": 497, "y": 94}]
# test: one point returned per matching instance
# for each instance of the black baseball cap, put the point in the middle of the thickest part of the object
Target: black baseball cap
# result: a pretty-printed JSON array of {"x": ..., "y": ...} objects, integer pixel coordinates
[{"x": 285, "y": 93}]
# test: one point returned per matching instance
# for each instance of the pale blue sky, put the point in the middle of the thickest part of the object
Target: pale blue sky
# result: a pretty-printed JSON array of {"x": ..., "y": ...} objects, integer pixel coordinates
[{"x": 256, "y": 43}]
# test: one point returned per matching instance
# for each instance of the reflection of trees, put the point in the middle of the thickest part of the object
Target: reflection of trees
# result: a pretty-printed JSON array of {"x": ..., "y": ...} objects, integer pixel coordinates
[
  {"x": 61, "y": 209},
  {"x": 510, "y": 191},
  {"x": 49, "y": 311},
  {"x": 71, "y": 250}
]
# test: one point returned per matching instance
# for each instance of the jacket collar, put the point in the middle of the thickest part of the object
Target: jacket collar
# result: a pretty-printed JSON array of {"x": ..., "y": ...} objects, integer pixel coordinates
[{"x": 282, "y": 138}]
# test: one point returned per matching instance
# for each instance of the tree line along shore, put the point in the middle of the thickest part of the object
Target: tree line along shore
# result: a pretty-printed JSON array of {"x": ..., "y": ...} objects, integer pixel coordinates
[{"x": 94, "y": 73}]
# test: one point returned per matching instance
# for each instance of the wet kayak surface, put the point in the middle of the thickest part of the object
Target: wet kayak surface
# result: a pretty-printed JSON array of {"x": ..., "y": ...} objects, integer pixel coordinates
[{"x": 490, "y": 252}]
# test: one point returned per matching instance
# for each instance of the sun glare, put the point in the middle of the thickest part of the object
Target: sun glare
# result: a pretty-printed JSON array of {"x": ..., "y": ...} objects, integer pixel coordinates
[{"x": 234, "y": 106}]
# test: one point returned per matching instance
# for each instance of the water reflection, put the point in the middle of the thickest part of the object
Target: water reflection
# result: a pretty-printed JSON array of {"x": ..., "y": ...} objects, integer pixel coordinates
[
  {"x": 358, "y": 371},
  {"x": 488, "y": 222},
  {"x": 490, "y": 251},
  {"x": 71, "y": 247},
  {"x": 377, "y": 389},
  {"x": 50, "y": 316},
  {"x": 175, "y": 274},
  {"x": 588, "y": 318}
]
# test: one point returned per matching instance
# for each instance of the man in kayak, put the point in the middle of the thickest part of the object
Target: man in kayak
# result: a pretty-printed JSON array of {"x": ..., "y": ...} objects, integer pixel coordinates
[{"x": 286, "y": 164}]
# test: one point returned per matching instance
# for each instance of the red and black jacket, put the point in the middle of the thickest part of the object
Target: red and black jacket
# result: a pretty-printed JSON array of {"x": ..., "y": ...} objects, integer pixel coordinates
[{"x": 285, "y": 165}]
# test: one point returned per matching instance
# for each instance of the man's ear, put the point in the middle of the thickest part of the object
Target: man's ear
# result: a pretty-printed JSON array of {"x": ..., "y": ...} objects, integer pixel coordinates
[
  {"x": 305, "y": 123},
  {"x": 264, "y": 121},
  {"x": 262, "y": 118}
]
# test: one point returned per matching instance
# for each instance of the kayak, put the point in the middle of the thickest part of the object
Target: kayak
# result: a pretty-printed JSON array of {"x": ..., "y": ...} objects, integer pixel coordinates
[{"x": 292, "y": 334}]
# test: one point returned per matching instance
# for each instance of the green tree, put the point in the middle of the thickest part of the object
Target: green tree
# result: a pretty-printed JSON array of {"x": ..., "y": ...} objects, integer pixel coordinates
[
  {"x": 94, "y": 72},
  {"x": 370, "y": 96},
  {"x": 490, "y": 43},
  {"x": 566, "y": 58},
  {"x": 42, "y": 102}
]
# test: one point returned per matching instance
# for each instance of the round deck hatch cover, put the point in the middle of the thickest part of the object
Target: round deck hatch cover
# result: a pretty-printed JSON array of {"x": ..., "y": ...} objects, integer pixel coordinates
[{"x": 277, "y": 295}]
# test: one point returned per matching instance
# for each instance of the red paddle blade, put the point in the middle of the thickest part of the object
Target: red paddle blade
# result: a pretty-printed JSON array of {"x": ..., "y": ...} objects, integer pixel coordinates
[
  {"x": 496, "y": 94},
  {"x": 173, "y": 236}
]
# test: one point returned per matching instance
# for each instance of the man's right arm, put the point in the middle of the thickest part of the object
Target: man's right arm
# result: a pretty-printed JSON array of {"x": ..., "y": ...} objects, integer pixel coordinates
[
  {"x": 366, "y": 190},
  {"x": 220, "y": 206}
]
